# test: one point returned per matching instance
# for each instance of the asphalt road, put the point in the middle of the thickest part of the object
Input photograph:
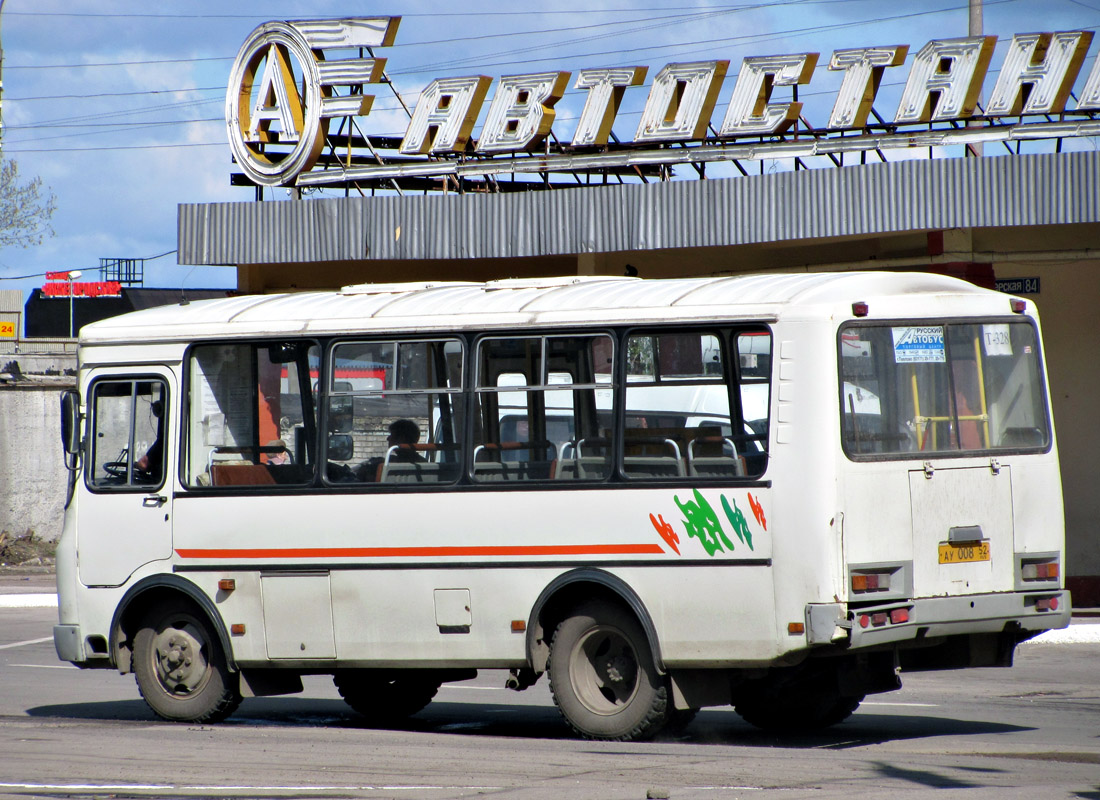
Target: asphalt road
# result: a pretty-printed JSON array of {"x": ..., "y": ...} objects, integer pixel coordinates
[{"x": 1032, "y": 731}]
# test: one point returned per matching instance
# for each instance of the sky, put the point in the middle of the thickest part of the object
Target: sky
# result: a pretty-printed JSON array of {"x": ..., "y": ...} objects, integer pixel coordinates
[{"x": 118, "y": 105}]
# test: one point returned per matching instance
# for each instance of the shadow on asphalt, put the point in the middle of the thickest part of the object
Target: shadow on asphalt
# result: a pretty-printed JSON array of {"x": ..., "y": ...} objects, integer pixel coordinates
[{"x": 710, "y": 727}]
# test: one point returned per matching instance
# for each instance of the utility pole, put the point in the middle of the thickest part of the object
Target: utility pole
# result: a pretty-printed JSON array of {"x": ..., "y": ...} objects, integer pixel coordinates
[
  {"x": 973, "y": 28},
  {"x": 1, "y": 82}
]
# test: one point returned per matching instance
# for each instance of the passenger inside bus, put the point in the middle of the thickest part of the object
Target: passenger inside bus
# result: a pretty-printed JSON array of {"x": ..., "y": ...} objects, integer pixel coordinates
[{"x": 404, "y": 434}]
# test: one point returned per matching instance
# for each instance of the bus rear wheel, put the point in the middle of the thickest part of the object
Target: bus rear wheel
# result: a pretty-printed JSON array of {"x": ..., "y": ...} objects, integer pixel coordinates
[
  {"x": 180, "y": 668},
  {"x": 798, "y": 707},
  {"x": 386, "y": 697},
  {"x": 603, "y": 678}
]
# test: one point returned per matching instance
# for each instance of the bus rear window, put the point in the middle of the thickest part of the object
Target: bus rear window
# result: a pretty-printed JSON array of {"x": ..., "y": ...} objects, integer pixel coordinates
[{"x": 941, "y": 388}]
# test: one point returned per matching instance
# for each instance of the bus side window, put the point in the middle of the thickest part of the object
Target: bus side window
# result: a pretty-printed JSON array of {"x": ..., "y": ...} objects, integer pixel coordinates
[
  {"x": 543, "y": 408},
  {"x": 754, "y": 366},
  {"x": 395, "y": 412},
  {"x": 677, "y": 421},
  {"x": 251, "y": 415},
  {"x": 129, "y": 434}
]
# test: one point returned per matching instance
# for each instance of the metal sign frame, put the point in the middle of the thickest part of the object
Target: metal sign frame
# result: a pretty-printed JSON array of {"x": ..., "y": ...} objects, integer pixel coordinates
[{"x": 291, "y": 79}]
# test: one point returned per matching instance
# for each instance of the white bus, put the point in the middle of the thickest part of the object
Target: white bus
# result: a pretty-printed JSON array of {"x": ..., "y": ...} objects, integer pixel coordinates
[{"x": 773, "y": 492}]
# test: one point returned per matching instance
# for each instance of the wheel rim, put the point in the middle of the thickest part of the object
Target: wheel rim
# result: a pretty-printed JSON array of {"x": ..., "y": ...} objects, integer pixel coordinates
[
  {"x": 603, "y": 670},
  {"x": 180, "y": 659}
]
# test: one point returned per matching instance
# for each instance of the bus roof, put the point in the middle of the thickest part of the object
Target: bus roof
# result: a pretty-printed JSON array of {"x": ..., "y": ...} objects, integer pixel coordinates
[{"x": 546, "y": 302}]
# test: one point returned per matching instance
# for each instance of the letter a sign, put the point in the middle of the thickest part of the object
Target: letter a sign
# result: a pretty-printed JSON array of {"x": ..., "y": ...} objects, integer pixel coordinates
[{"x": 283, "y": 90}]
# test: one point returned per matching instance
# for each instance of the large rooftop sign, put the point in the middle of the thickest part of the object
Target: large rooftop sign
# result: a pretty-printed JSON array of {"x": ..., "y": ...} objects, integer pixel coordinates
[{"x": 292, "y": 83}]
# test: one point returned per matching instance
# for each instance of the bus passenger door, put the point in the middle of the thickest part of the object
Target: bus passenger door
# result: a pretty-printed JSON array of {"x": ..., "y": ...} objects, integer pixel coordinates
[{"x": 125, "y": 508}]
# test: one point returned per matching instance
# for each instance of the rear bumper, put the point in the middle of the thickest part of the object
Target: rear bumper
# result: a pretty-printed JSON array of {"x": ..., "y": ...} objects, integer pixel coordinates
[
  {"x": 80, "y": 650},
  {"x": 934, "y": 617},
  {"x": 68, "y": 643}
]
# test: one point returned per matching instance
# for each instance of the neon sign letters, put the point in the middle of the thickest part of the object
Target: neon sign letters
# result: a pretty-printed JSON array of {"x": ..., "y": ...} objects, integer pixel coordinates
[{"x": 285, "y": 90}]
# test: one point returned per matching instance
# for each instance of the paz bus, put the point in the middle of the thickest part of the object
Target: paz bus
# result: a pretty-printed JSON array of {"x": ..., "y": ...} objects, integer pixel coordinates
[{"x": 776, "y": 492}]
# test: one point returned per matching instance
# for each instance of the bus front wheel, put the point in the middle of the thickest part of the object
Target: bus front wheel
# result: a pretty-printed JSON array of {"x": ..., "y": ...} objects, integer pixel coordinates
[
  {"x": 603, "y": 678},
  {"x": 383, "y": 697},
  {"x": 180, "y": 669}
]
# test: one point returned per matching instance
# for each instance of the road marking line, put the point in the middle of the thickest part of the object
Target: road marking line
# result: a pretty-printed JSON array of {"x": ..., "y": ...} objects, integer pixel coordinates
[
  {"x": 86, "y": 786},
  {"x": 157, "y": 787},
  {"x": 23, "y": 644},
  {"x": 29, "y": 600},
  {"x": 914, "y": 705},
  {"x": 44, "y": 666}
]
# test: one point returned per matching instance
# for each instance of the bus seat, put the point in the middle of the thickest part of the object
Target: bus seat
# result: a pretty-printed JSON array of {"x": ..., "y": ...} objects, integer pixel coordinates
[
  {"x": 652, "y": 457},
  {"x": 578, "y": 462},
  {"x": 653, "y": 467},
  {"x": 717, "y": 466},
  {"x": 514, "y": 461},
  {"x": 410, "y": 472},
  {"x": 714, "y": 456},
  {"x": 248, "y": 474},
  {"x": 486, "y": 471},
  {"x": 582, "y": 468}
]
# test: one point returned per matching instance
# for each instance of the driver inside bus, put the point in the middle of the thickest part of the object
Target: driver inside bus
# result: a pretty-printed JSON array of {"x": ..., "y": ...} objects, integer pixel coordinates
[
  {"x": 400, "y": 448},
  {"x": 149, "y": 465}
]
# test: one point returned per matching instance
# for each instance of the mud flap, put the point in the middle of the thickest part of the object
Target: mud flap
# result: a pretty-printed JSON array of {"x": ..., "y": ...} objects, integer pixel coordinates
[{"x": 869, "y": 673}]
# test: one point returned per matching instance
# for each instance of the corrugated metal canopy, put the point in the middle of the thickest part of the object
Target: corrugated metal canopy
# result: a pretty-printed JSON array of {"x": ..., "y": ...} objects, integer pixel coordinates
[
  {"x": 1020, "y": 190},
  {"x": 536, "y": 303}
]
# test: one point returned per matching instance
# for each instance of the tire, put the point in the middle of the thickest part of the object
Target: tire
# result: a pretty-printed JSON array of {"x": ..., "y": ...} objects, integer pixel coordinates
[
  {"x": 802, "y": 707},
  {"x": 603, "y": 678},
  {"x": 386, "y": 697},
  {"x": 180, "y": 668},
  {"x": 680, "y": 718}
]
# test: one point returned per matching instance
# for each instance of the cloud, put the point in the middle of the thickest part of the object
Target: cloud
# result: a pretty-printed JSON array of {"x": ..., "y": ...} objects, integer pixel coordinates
[{"x": 121, "y": 201}]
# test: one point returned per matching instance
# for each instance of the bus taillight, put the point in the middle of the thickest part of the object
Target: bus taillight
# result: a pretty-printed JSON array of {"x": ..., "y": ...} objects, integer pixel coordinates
[
  {"x": 1039, "y": 570},
  {"x": 870, "y": 581},
  {"x": 1046, "y": 604}
]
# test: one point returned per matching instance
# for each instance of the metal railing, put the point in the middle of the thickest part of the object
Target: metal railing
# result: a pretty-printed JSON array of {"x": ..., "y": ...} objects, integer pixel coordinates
[{"x": 43, "y": 346}]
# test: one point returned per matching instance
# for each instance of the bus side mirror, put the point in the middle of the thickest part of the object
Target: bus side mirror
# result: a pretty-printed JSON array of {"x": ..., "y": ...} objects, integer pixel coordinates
[{"x": 70, "y": 422}]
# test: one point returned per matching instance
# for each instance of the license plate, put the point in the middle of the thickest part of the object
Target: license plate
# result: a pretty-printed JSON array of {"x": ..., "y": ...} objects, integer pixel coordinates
[{"x": 964, "y": 552}]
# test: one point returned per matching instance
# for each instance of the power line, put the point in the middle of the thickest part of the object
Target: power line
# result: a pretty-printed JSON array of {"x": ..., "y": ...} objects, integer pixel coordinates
[
  {"x": 44, "y": 274},
  {"x": 475, "y": 58},
  {"x": 678, "y": 45},
  {"x": 113, "y": 125},
  {"x": 436, "y": 14},
  {"x": 135, "y": 127},
  {"x": 701, "y": 12},
  {"x": 514, "y": 34},
  {"x": 121, "y": 63},
  {"x": 127, "y": 112},
  {"x": 117, "y": 147},
  {"x": 11, "y": 99},
  {"x": 129, "y": 126}
]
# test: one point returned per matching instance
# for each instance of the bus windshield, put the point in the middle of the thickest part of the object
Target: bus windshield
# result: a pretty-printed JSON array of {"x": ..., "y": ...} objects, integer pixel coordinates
[{"x": 953, "y": 387}]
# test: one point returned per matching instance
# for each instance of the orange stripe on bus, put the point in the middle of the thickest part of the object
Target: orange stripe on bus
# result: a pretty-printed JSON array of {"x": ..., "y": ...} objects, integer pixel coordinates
[{"x": 423, "y": 552}]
